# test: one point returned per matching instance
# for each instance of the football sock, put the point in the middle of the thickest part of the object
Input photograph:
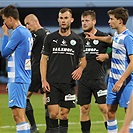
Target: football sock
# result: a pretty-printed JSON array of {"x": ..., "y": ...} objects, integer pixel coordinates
[
  {"x": 105, "y": 123},
  {"x": 85, "y": 126},
  {"x": 23, "y": 127},
  {"x": 29, "y": 113},
  {"x": 54, "y": 128},
  {"x": 112, "y": 126},
  {"x": 47, "y": 119},
  {"x": 131, "y": 127},
  {"x": 63, "y": 126}
]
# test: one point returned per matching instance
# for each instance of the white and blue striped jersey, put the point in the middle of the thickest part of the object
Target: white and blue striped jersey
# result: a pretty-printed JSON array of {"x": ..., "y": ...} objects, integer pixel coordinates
[
  {"x": 19, "y": 64},
  {"x": 121, "y": 49}
]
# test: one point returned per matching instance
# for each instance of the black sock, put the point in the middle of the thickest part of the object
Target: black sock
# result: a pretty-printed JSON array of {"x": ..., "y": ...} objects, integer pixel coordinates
[
  {"x": 85, "y": 126},
  {"x": 29, "y": 113},
  {"x": 63, "y": 126},
  {"x": 47, "y": 119},
  {"x": 105, "y": 123},
  {"x": 54, "y": 128}
]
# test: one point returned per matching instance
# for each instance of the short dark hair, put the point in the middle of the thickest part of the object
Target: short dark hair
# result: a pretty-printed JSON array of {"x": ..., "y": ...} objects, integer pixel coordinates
[
  {"x": 119, "y": 13},
  {"x": 63, "y": 10},
  {"x": 89, "y": 12},
  {"x": 10, "y": 10}
]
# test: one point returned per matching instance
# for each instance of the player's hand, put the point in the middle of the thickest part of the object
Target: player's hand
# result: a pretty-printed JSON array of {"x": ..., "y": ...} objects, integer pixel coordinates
[
  {"x": 45, "y": 86},
  {"x": 6, "y": 88},
  {"x": 76, "y": 75},
  {"x": 102, "y": 57},
  {"x": 5, "y": 29},
  {"x": 117, "y": 86},
  {"x": 89, "y": 36}
]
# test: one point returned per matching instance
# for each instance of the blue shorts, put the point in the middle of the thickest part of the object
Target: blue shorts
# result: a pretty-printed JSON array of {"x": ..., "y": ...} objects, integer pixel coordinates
[
  {"x": 121, "y": 97},
  {"x": 17, "y": 94}
]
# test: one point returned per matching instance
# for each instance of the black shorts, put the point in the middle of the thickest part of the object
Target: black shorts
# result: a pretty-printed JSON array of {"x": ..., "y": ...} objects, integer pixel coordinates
[
  {"x": 86, "y": 89},
  {"x": 61, "y": 94},
  {"x": 36, "y": 84}
]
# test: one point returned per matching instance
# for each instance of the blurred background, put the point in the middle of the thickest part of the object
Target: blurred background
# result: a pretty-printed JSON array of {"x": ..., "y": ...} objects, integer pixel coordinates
[{"x": 47, "y": 12}]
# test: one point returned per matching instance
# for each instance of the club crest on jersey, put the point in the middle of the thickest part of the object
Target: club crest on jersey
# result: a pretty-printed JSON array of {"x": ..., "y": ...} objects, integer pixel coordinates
[
  {"x": 63, "y": 43},
  {"x": 95, "y": 42},
  {"x": 73, "y": 42}
]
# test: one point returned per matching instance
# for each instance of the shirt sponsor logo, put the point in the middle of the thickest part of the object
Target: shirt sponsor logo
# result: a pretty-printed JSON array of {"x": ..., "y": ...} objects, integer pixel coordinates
[
  {"x": 91, "y": 51},
  {"x": 63, "y": 43},
  {"x": 63, "y": 51},
  {"x": 87, "y": 44}
]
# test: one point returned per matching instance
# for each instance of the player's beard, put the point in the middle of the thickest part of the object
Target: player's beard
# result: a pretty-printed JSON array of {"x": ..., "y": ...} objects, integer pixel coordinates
[
  {"x": 63, "y": 30},
  {"x": 88, "y": 30}
]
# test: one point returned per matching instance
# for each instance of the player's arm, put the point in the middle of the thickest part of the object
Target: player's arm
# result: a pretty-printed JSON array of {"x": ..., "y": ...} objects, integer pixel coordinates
[
  {"x": 5, "y": 51},
  {"x": 128, "y": 71},
  {"x": 43, "y": 70},
  {"x": 128, "y": 117},
  {"x": 76, "y": 75},
  {"x": 107, "y": 39}
]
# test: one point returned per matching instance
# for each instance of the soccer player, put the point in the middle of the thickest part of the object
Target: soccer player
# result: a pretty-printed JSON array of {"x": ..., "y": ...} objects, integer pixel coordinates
[
  {"x": 120, "y": 83},
  {"x": 63, "y": 60},
  {"x": 17, "y": 50},
  {"x": 39, "y": 34},
  {"x": 92, "y": 80}
]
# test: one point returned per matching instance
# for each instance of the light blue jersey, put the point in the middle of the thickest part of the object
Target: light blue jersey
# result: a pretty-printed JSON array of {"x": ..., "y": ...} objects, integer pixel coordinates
[
  {"x": 19, "y": 68},
  {"x": 18, "y": 52},
  {"x": 121, "y": 50}
]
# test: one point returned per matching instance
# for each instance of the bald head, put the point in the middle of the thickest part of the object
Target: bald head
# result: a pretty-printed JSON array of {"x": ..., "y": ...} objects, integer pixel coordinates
[{"x": 32, "y": 22}]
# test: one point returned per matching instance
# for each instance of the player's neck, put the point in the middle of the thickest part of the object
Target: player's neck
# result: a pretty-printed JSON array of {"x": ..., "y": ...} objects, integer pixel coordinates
[
  {"x": 121, "y": 29},
  {"x": 16, "y": 24},
  {"x": 93, "y": 31},
  {"x": 64, "y": 32}
]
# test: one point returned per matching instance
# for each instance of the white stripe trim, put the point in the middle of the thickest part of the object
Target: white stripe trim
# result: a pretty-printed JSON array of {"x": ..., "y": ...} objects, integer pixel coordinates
[
  {"x": 11, "y": 74},
  {"x": 112, "y": 123},
  {"x": 115, "y": 76},
  {"x": 118, "y": 56},
  {"x": 10, "y": 63},
  {"x": 117, "y": 66}
]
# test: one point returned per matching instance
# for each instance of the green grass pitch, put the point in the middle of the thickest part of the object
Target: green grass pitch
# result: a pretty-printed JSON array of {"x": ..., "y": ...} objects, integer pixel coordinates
[{"x": 7, "y": 124}]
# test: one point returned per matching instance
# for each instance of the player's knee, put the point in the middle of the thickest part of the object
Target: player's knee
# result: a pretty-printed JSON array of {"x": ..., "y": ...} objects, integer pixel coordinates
[
  {"x": 111, "y": 115},
  {"x": 84, "y": 110},
  {"x": 104, "y": 110},
  {"x": 64, "y": 116},
  {"x": 54, "y": 115}
]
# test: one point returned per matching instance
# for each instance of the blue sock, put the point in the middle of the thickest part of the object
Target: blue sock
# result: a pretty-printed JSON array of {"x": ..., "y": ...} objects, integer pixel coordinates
[
  {"x": 131, "y": 127},
  {"x": 23, "y": 127},
  {"x": 112, "y": 126}
]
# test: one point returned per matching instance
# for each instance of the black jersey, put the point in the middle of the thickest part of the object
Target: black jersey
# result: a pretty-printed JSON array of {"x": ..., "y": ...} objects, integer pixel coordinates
[
  {"x": 94, "y": 68},
  {"x": 64, "y": 53},
  {"x": 38, "y": 38}
]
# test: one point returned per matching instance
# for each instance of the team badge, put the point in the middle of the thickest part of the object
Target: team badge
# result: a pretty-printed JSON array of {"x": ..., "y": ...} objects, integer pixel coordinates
[
  {"x": 73, "y": 42},
  {"x": 95, "y": 42}
]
